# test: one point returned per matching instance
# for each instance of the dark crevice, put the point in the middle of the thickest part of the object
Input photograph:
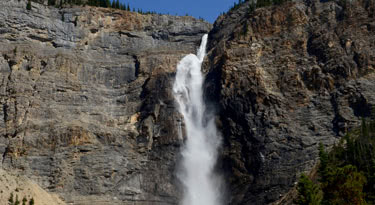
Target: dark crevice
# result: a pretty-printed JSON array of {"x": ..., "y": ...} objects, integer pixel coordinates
[
  {"x": 314, "y": 50},
  {"x": 337, "y": 119},
  {"x": 360, "y": 106},
  {"x": 6, "y": 57},
  {"x": 28, "y": 67},
  {"x": 137, "y": 65},
  {"x": 56, "y": 45},
  {"x": 128, "y": 34},
  {"x": 94, "y": 30},
  {"x": 43, "y": 64},
  {"x": 5, "y": 108},
  {"x": 9, "y": 60},
  {"x": 5, "y": 154},
  {"x": 144, "y": 92}
]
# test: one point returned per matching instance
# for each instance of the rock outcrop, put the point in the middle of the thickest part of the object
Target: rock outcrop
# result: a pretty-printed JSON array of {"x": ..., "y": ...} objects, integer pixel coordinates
[
  {"x": 86, "y": 108},
  {"x": 286, "y": 78}
]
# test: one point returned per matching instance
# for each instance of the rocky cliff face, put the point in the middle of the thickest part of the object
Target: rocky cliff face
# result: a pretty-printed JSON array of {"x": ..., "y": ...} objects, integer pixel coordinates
[
  {"x": 287, "y": 78},
  {"x": 86, "y": 109}
]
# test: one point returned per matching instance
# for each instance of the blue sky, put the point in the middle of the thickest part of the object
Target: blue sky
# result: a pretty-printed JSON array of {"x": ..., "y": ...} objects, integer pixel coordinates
[{"x": 207, "y": 9}]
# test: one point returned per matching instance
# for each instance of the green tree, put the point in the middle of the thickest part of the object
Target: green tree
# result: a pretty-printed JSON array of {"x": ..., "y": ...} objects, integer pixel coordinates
[
  {"x": 323, "y": 156},
  {"x": 108, "y": 4},
  {"x": 17, "y": 202},
  {"x": 364, "y": 128},
  {"x": 102, "y": 3},
  {"x": 10, "y": 200},
  {"x": 252, "y": 8},
  {"x": 347, "y": 172},
  {"x": 344, "y": 186},
  {"x": 263, "y": 3},
  {"x": 51, "y": 2},
  {"x": 31, "y": 202},
  {"x": 308, "y": 192},
  {"x": 245, "y": 29},
  {"x": 24, "y": 200},
  {"x": 28, "y": 6}
]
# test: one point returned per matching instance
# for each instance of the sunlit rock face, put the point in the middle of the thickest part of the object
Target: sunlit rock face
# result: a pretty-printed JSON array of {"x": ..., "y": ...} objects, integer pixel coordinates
[
  {"x": 287, "y": 78},
  {"x": 87, "y": 109}
]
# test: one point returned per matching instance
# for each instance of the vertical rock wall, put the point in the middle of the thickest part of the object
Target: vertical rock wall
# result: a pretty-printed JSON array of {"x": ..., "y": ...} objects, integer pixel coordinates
[
  {"x": 287, "y": 78},
  {"x": 86, "y": 109}
]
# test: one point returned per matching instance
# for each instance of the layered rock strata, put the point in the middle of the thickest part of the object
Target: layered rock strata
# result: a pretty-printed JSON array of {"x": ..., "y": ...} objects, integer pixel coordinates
[
  {"x": 86, "y": 108},
  {"x": 287, "y": 78}
]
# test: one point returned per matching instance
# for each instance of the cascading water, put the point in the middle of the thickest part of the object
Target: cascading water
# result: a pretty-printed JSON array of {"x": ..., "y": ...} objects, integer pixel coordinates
[{"x": 199, "y": 153}]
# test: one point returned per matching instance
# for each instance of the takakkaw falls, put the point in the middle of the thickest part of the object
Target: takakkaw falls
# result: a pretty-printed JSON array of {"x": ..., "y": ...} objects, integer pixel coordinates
[
  {"x": 199, "y": 153},
  {"x": 104, "y": 103}
]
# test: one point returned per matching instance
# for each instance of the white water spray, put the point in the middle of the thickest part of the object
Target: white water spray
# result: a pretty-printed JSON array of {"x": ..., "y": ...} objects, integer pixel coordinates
[{"x": 199, "y": 154}]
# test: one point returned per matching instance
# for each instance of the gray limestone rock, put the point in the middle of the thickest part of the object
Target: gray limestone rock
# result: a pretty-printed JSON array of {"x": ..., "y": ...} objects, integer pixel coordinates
[
  {"x": 86, "y": 109},
  {"x": 286, "y": 78}
]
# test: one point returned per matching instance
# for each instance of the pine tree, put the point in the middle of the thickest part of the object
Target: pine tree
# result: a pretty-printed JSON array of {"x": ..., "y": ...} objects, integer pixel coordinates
[
  {"x": 28, "y": 6},
  {"x": 24, "y": 200},
  {"x": 102, "y": 3},
  {"x": 108, "y": 3},
  {"x": 113, "y": 4},
  {"x": 51, "y": 2},
  {"x": 364, "y": 128},
  {"x": 17, "y": 202},
  {"x": 308, "y": 192},
  {"x": 323, "y": 156},
  {"x": 263, "y": 3},
  {"x": 252, "y": 8},
  {"x": 245, "y": 29},
  {"x": 344, "y": 186},
  {"x": 117, "y": 4},
  {"x": 10, "y": 200},
  {"x": 31, "y": 202}
]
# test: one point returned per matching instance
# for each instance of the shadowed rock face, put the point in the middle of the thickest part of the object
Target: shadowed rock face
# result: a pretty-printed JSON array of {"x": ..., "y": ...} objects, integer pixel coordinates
[
  {"x": 86, "y": 109},
  {"x": 287, "y": 78}
]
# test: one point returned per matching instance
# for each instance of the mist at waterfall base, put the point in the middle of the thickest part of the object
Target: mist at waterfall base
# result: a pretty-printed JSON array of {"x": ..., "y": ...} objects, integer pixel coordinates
[{"x": 199, "y": 154}]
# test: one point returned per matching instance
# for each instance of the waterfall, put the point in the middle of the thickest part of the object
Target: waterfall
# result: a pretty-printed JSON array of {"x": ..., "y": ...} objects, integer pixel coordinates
[{"x": 199, "y": 154}]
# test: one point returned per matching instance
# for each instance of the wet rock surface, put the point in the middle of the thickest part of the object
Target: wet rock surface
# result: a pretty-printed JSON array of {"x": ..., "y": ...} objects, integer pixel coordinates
[{"x": 287, "y": 78}]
